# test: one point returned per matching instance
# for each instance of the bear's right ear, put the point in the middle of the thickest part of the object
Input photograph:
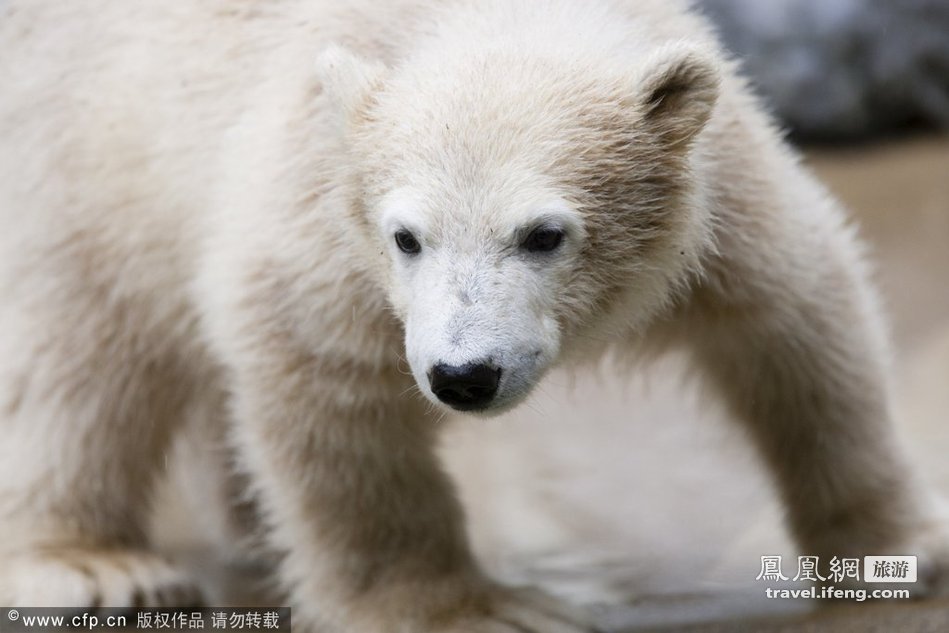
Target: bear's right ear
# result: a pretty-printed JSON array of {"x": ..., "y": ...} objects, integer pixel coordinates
[
  {"x": 678, "y": 92},
  {"x": 348, "y": 80}
]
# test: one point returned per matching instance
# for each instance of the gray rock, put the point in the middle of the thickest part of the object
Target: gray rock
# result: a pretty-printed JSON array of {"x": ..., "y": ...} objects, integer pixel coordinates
[{"x": 842, "y": 68}]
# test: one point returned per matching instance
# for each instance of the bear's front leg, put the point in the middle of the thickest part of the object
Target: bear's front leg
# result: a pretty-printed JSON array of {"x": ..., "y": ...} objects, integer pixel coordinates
[
  {"x": 787, "y": 324},
  {"x": 340, "y": 450}
]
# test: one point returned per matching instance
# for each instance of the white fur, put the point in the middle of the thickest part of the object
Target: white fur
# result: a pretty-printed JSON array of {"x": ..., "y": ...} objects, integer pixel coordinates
[
  {"x": 471, "y": 297},
  {"x": 195, "y": 219}
]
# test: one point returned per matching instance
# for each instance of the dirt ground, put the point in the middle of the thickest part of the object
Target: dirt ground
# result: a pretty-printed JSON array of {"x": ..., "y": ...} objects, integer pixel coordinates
[{"x": 635, "y": 490}]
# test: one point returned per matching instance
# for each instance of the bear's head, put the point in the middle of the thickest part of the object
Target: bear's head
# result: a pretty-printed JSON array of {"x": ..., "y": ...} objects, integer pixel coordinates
[{"x": 524, "y": 208}]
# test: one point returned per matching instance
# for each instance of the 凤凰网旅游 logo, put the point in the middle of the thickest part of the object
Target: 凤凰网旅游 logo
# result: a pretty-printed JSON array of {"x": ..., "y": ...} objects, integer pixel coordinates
[
  {"x": 889, "y": 569},
  {"x": 875, "y": 569}
]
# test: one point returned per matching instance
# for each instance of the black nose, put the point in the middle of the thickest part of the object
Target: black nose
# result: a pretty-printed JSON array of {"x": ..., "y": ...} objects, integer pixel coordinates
[{"x": 464, "y": 387}]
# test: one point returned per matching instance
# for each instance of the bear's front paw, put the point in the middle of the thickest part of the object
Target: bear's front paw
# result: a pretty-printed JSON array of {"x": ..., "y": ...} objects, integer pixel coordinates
[
  {"x": 928, "y": 540},
  {"x": 91, "y": 578},
  {"x": 931, "y": 547}
]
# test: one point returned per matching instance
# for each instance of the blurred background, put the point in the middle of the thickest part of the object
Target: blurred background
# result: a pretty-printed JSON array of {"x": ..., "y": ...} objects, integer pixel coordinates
[
  {"x": 637, "y": 492},
  {"x": 843, "y": 70}
]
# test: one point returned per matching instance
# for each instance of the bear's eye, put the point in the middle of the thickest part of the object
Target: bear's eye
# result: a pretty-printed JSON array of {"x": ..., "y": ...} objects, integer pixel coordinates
[
  {"x": 407, "y": 242},
  {"x": 543, "y": 239}
]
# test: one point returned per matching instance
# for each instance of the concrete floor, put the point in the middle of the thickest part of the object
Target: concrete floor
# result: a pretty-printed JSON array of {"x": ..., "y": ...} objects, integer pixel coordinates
[{"x": 636, "y": 491}]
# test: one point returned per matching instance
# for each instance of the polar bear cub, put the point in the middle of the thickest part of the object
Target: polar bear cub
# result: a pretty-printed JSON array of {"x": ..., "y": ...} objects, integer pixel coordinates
[{"x": 456, "y": 198}]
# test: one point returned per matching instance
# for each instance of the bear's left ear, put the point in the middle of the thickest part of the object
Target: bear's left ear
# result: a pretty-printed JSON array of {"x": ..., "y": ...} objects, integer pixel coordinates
[
  {"x": 678, "y": 90},
  {"x": 348, "y": 80}
]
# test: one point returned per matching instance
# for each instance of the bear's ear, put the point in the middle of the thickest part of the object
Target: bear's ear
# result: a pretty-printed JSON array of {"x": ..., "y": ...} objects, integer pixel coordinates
[
  {"x": 678, "y": 90},
  {"x": 348, "y": 80}
]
